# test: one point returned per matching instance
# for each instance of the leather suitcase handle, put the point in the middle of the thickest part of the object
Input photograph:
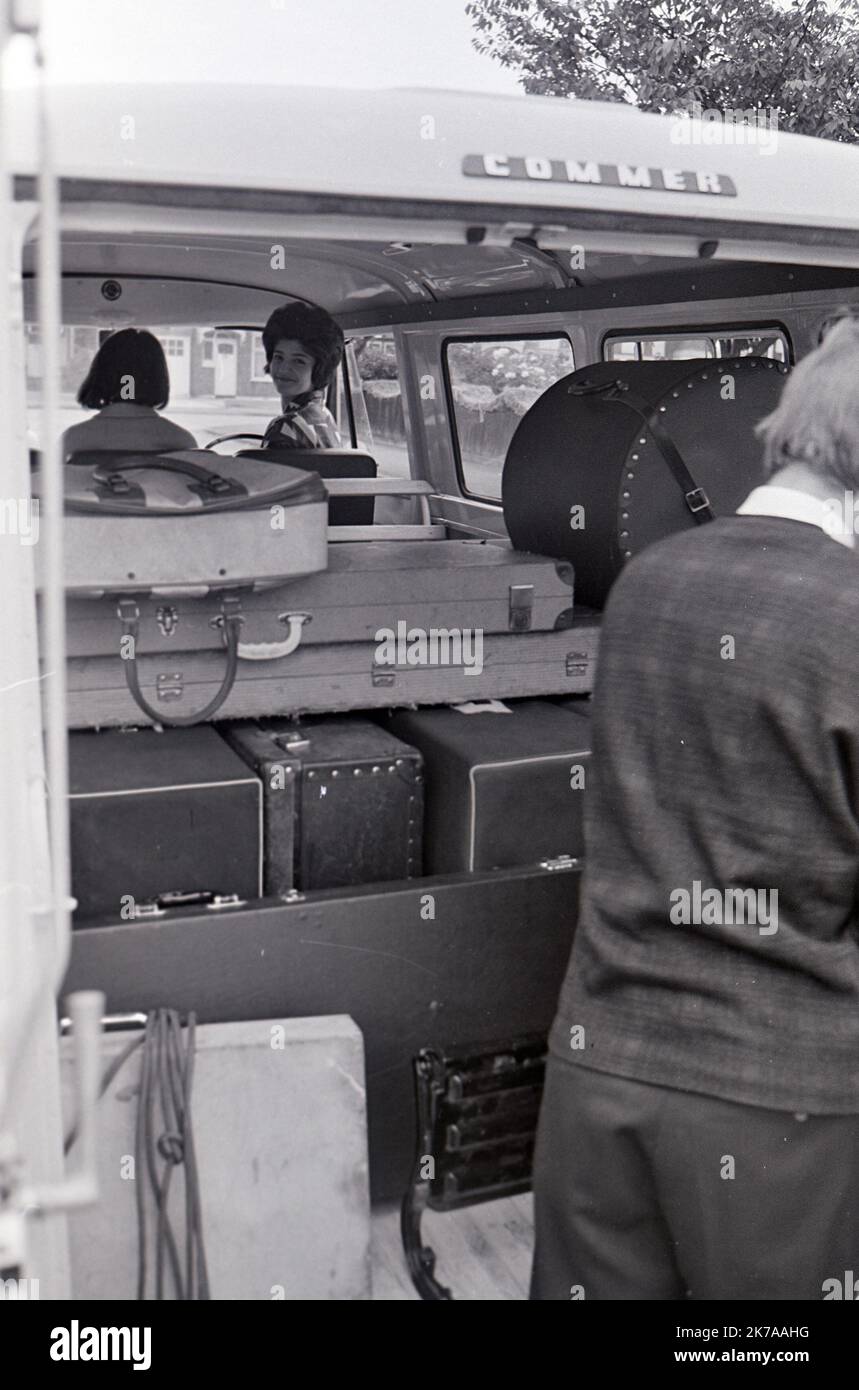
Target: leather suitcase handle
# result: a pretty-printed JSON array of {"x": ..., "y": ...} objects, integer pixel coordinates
[
  {"x": 214, "y": 483},
  {"x": 129, "y": 615},
  {"x": 273, "y": 651}
]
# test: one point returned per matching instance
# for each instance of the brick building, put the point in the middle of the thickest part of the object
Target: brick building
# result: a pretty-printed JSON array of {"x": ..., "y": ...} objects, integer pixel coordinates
[{"x": 203, "y": 362}]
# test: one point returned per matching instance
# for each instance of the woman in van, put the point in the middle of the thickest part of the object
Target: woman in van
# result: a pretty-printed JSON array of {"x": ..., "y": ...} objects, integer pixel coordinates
[
  {"x": 128, "y": 384},
  {"x": 303, "y": 346}
]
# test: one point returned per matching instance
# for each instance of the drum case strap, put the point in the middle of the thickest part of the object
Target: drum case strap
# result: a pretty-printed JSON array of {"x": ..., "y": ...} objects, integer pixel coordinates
[{"x": 694, "y": 496}]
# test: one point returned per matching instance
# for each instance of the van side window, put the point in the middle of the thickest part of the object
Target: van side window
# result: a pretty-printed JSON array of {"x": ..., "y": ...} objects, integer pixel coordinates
[
  {"x": 491, "y": 383},
  {"x": 671, "y": 347},
  {"x": 376, "y": 399}
]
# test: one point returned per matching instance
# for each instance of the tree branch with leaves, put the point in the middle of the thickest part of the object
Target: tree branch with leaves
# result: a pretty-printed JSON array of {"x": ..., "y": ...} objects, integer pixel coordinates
[{"x": 798, "y": 60}]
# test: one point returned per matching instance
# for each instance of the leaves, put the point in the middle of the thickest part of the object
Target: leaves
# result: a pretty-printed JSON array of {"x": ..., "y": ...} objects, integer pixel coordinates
[{"x": 798, "y": 59}]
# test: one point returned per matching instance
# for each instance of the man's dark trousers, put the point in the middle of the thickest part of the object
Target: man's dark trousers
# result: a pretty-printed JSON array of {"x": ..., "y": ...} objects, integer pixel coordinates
[{"x": 645, "y": 1192}]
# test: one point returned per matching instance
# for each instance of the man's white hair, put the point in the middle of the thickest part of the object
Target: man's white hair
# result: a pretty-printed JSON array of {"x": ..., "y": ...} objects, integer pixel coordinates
[{"x": 816, "y": 422}]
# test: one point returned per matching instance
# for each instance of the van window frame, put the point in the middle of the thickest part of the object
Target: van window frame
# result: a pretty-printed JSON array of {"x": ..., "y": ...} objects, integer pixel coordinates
[
  {"x": 714, "y": 330},
  {"x": 343, "y": 367},
  {"x": 520, "y": 337}
]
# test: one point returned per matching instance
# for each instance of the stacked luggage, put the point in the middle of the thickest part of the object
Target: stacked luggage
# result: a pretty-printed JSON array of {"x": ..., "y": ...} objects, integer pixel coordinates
[
  {"x": 215, "y": 816},
  {"x": 356, "y": 636},
  {"x": 194, "y": 594},
  {"x": 171, "y": 621}
]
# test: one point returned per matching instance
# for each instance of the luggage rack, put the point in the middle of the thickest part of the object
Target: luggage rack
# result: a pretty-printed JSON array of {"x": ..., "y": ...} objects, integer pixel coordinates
[{"x": 477, "y": 1119}]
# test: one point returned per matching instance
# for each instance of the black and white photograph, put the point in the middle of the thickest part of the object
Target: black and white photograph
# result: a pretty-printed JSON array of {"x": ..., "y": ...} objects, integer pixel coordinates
[{"x": 429, "y": 670}]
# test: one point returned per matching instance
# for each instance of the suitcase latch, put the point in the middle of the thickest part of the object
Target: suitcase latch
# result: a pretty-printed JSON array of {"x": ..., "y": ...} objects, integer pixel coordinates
[
  {"x": 293, "y": 741},
  {"x": 167, "y": 619},
  {"x": 169, "y": 685},
  {"x": 521, "y": 607},
  {"x": 382, "y": 676},
  {"x": 147, "y": 909},
  {"x": 577, "y": 663},
  {"x": 231, "y": 611}
]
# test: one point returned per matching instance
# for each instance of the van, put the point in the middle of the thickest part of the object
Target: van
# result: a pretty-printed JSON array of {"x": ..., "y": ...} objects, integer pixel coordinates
[{"x": 475, "y": 251}]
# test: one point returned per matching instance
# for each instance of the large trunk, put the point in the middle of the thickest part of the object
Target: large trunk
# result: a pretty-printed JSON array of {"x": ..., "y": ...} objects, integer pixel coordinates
[
  {"x": 343, "y": 801},
  {"x": 505, "y": 785},
  {"x": 157, "y": 813},
  {"x": 329, "y": 679}
]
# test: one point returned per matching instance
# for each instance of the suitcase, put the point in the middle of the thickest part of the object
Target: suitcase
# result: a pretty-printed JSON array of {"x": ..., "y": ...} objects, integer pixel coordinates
[
  {"x": 502, "y": 788},
  {"x": 618, "y": 455},
  {"x": 311, "y": 645},
  {"x": 367, "y": 585},
  {"x": 343, "y": 676},
  {"x": 161, "y": 819},
  {"x": 190, "y": 520},
  {"x": 185, "y": 523},
  {"x": 342, "y": 801}
]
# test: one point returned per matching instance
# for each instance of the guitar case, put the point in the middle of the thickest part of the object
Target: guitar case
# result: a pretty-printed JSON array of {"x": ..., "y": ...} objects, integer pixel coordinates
[{"x": 619, "y": 455}]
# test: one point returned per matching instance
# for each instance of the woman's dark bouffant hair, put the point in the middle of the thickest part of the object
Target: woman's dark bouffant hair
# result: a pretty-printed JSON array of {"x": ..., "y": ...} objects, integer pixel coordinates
[
  {"x": 129, "y": 366},
  {"x": 315, "y": 330}
]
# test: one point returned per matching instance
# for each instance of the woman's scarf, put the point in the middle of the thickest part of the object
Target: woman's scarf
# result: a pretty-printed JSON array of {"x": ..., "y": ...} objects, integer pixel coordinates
[{"x": 306, "y": 424}]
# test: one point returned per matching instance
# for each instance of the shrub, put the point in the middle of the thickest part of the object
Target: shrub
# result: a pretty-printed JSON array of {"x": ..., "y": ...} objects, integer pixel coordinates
[
  {"x": 381, "y": 389},
  {"x": 474, "y": 397},
  {"x": 519, "y": 399}
]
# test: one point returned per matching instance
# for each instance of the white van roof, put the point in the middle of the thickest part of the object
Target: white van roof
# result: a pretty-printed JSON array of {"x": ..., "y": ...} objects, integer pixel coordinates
[{"x": 472, "y": 153}]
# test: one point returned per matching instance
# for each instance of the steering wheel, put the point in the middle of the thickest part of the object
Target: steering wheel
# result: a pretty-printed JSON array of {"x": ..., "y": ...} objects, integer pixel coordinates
[{"x": 224, "y": 438}]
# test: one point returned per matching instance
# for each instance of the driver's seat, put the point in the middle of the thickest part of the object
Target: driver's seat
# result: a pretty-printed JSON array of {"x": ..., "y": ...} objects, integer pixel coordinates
[{"x": 329, "y": 463}]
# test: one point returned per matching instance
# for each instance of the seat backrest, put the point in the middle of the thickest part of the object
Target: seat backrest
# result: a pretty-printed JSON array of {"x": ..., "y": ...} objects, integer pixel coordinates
[{"x": 329, "y": 463}]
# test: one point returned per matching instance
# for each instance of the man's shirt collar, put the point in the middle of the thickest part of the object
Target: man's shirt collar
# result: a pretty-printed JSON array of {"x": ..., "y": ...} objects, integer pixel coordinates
[{"x": 793, "y": 505}]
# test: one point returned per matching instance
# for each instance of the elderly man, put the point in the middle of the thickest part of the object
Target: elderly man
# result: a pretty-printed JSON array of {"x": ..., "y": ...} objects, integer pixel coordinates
[{"x": 700, "y": 1128}]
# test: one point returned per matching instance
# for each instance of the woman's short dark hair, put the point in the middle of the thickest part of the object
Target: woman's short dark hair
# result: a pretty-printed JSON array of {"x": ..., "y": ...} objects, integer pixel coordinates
[
  {"x": 315, "y": 330},
  {"x": 129, "y": 366}
]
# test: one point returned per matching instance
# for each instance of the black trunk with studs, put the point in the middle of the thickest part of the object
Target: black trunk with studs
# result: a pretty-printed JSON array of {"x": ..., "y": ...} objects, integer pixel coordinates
[
  {"x": 342, "y": 798},
  {"x": 587, "y": 479}
]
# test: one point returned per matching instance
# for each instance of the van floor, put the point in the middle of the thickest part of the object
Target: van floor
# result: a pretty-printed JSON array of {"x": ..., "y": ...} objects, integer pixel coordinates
[{"x": 482, "y": 1252}]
